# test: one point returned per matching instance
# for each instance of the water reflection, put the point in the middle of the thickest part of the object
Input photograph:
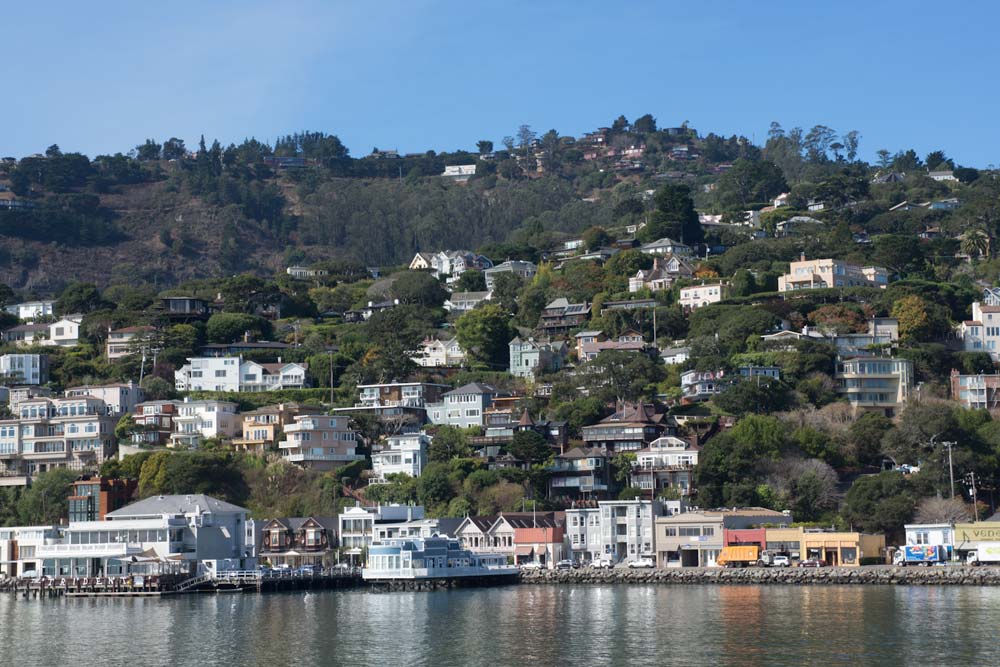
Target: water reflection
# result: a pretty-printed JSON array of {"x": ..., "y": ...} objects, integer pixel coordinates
[{"x": 526, "y": 625}]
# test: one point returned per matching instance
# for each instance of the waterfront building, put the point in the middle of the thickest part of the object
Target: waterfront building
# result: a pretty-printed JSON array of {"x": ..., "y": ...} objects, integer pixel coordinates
[
  {"x": 695, "y": 539},
  {"x": 418, "y": 558},
  {"x": 298, "y": 541},
  {"x": 356, "y": 525},
  {"x": 617, "y": 530},
  {"x": 181, "y": 534},
  {"x": 833, "y": 548},
  {"x": 320, "y": 442},
  {"x": 520, "y": 536}
]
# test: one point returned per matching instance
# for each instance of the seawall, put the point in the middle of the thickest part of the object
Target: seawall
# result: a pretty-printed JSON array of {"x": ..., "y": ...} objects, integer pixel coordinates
[{"x": 884, "y": 575}]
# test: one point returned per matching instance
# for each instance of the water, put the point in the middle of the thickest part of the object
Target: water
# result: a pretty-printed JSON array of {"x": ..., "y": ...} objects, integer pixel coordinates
[{"x": 514, "y": 625}]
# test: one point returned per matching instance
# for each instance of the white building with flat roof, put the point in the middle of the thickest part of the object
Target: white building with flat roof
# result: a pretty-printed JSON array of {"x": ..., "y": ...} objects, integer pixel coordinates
[
  {"x": 401, "y": 455},
  {"x": 24, "y": 368}
]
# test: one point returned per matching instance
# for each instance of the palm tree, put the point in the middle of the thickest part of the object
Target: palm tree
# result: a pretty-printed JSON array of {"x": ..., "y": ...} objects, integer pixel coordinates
[{"x": 976, "y": 243}]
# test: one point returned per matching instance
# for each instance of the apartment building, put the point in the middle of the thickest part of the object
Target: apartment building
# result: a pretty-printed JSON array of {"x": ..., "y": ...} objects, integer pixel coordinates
[
  {"x": 830, "y": 273},
  {"x": 976, "y": 392},
  {"x": 875, "y": 383},
  {"x": 982, "y": 332},
  {"x": 48, "y": 433},
  {"x": 619, "y": 530},
  {"x": 320, "y": 442},
  {"x": 582, "y": 473},
  {"x": 667, "y": 463},
  {"x": 154, "y": 422}
]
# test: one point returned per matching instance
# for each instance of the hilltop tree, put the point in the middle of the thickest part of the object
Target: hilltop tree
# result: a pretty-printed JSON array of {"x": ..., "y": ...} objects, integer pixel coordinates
[
  {"x": 750, "y": 181},
  {"x": 675, "y": 216},
  {"x": 644, "y": 124},
  {"x": 174, "y": 149},
  {"x": 484, "y": 146},
  {"x": 149, "y": 150}
]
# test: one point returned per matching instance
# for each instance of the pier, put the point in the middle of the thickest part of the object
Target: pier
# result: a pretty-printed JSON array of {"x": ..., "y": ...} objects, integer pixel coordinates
[{"x": 239, "y": 581}]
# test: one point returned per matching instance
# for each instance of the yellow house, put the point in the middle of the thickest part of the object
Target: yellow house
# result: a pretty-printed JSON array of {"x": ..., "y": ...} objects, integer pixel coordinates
[{"x": 837, "y": 549}]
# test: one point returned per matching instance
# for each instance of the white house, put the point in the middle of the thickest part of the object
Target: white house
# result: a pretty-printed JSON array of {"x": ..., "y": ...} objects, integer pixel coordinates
[
  {"x": 25, "y": 368},
  {"x": 982, "y": 332},
  {"x": 675, "y": 355},
  {"x": 120, "y": 398},
  {"x": 197, "y": 420},
  {"x": 127, "y": 341},
  {"x": 65, "y": 332},
  {"x": 31, "y": 310},
  {"x": 666, "y": 246},
  {"x": 402, "y": 454},
  {"x": 462, "y": 302},
  {"x": 235, "y": 374},
  {"x": 435, "y": 353},
  {"x": 460, "y": 173},
  {"x": 619, "y": 530},
  {"x": 357, "y": 525}
]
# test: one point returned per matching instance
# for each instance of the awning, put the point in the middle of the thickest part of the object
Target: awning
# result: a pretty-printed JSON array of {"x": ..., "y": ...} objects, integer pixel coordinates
[
  {"x": 541, "y": 550},
  {"x": 522, "y": 551}
]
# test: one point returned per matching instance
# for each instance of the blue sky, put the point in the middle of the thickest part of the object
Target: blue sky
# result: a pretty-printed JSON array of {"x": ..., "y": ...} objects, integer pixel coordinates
[{"x": 415, "y": 75}]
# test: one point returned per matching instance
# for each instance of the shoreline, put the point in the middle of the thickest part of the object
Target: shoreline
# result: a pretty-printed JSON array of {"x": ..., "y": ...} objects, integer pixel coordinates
[{"x": 872, "y": 575}]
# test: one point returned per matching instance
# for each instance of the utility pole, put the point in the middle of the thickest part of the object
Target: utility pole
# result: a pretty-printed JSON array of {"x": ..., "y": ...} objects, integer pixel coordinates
[
  {"x": 970, "y": 479},
  {"x": 951, "y": 468}
]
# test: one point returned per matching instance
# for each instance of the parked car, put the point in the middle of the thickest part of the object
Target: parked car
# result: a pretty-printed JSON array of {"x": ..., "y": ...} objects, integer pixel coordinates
[
  {"x": 341, "y": 566},
  {"x": 565, "y": 565},
  {"x": 812, "y": 562},
  {"x": 602, "y": 564},
  {"x": 642, "y": 563},
  {"x": 781, "y": 561},
  {"x": 311, "y": 569},
  {"x": 531, "y": 565}
]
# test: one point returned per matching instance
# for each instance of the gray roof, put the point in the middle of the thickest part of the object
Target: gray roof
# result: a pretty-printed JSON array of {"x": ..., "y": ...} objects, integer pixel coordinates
[
  {"x": 472, "y": 388},
  {"x": 176, "y": 505},
  {"x": 448, "y": 526}
]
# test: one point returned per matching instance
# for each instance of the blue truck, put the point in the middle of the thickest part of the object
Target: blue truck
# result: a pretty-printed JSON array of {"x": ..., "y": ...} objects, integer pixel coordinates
[{"x": 921, "y": 554}]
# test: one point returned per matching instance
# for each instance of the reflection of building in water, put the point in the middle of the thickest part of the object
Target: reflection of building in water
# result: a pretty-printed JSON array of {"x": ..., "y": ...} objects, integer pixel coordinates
[{"x": 743, "y": 620}]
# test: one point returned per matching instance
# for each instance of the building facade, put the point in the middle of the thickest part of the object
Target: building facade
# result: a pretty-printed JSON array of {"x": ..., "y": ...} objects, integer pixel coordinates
[
  {"x": 831, "y": 273},
  {"x": 875, "y": 383},
  {"x": 24, "y": 368},
  {"x": 321, "y": 442},
  {"x": 401, "y": 455}
]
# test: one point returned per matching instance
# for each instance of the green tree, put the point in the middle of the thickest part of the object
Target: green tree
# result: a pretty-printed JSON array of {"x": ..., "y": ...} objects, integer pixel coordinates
[
  {"x": 919, "y": 319},
  {"x": 596, "y": 237},
  {"x": 485, "y": 334},
  {"x": 471, "y": 280},
  {"x": 80, "y": 298},
  {"x": 675, "y": 216},
  {"x": 756, "y": 395},
  {"x": 448, "y": 442},
  {"x": 231, "y": 327},
  {"x": 418, "y": 288},
  {"x": 732, "y": 464},
  {"x": 529, "y": 446},
  {"x": 506, "y": 288},
  {"x": 750, "y": 181},
  {"x": 45, "y": 501},
  {"x": 880, "y": 503},
  {"x": 484, "y": 147},
  {"x": 617, "y": 376}
]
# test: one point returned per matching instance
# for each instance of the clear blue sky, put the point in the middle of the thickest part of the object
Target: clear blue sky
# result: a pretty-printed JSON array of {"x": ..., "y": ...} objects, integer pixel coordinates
[{"x": 100, "y": 77}]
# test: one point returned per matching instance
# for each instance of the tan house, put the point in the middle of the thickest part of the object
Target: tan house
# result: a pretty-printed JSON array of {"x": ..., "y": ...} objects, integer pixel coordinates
[
  {"x": 320, "y": 442},
  {"x": 123, "y": 342},
  {"x": 262, "y": 428},
  {"x": 831, "y": 273},
  {"x": 836, "y": 549},
  {"x": 697, "y": 296}
]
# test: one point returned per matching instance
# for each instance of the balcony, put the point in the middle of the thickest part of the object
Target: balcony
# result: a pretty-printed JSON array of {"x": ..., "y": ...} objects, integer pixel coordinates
[{"x": 302, "y": 458}]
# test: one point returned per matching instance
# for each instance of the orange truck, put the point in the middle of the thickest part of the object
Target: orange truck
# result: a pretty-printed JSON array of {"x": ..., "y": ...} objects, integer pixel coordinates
[{"x": 738, "y": 556}]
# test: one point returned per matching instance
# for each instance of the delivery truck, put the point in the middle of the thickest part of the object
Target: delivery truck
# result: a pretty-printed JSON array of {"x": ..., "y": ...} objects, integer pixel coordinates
[
  {"x": 987, "y": 553},
  {"x": 920, "y": 554}
]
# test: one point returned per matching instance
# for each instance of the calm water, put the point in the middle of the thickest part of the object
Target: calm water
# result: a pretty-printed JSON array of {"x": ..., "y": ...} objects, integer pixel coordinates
[{"x": 516, "y": 625}]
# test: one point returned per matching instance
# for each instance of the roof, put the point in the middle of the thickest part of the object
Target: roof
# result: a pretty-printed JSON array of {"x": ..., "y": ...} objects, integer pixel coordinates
[
  {"x": 137, "y": 329},
  {"x": 583, "y": 453},
  {"x": 176, "y": 505},
  {"x": 29, "y": 327},
  {"x": 472, "y": 388},
  {"x": 526, "y": 520},
  {"x": 589, "y": 333},
  {"x": 448, "y": 526},
  {"x": 294, "y": 523},
  {"x": 468, "y": 296}
]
